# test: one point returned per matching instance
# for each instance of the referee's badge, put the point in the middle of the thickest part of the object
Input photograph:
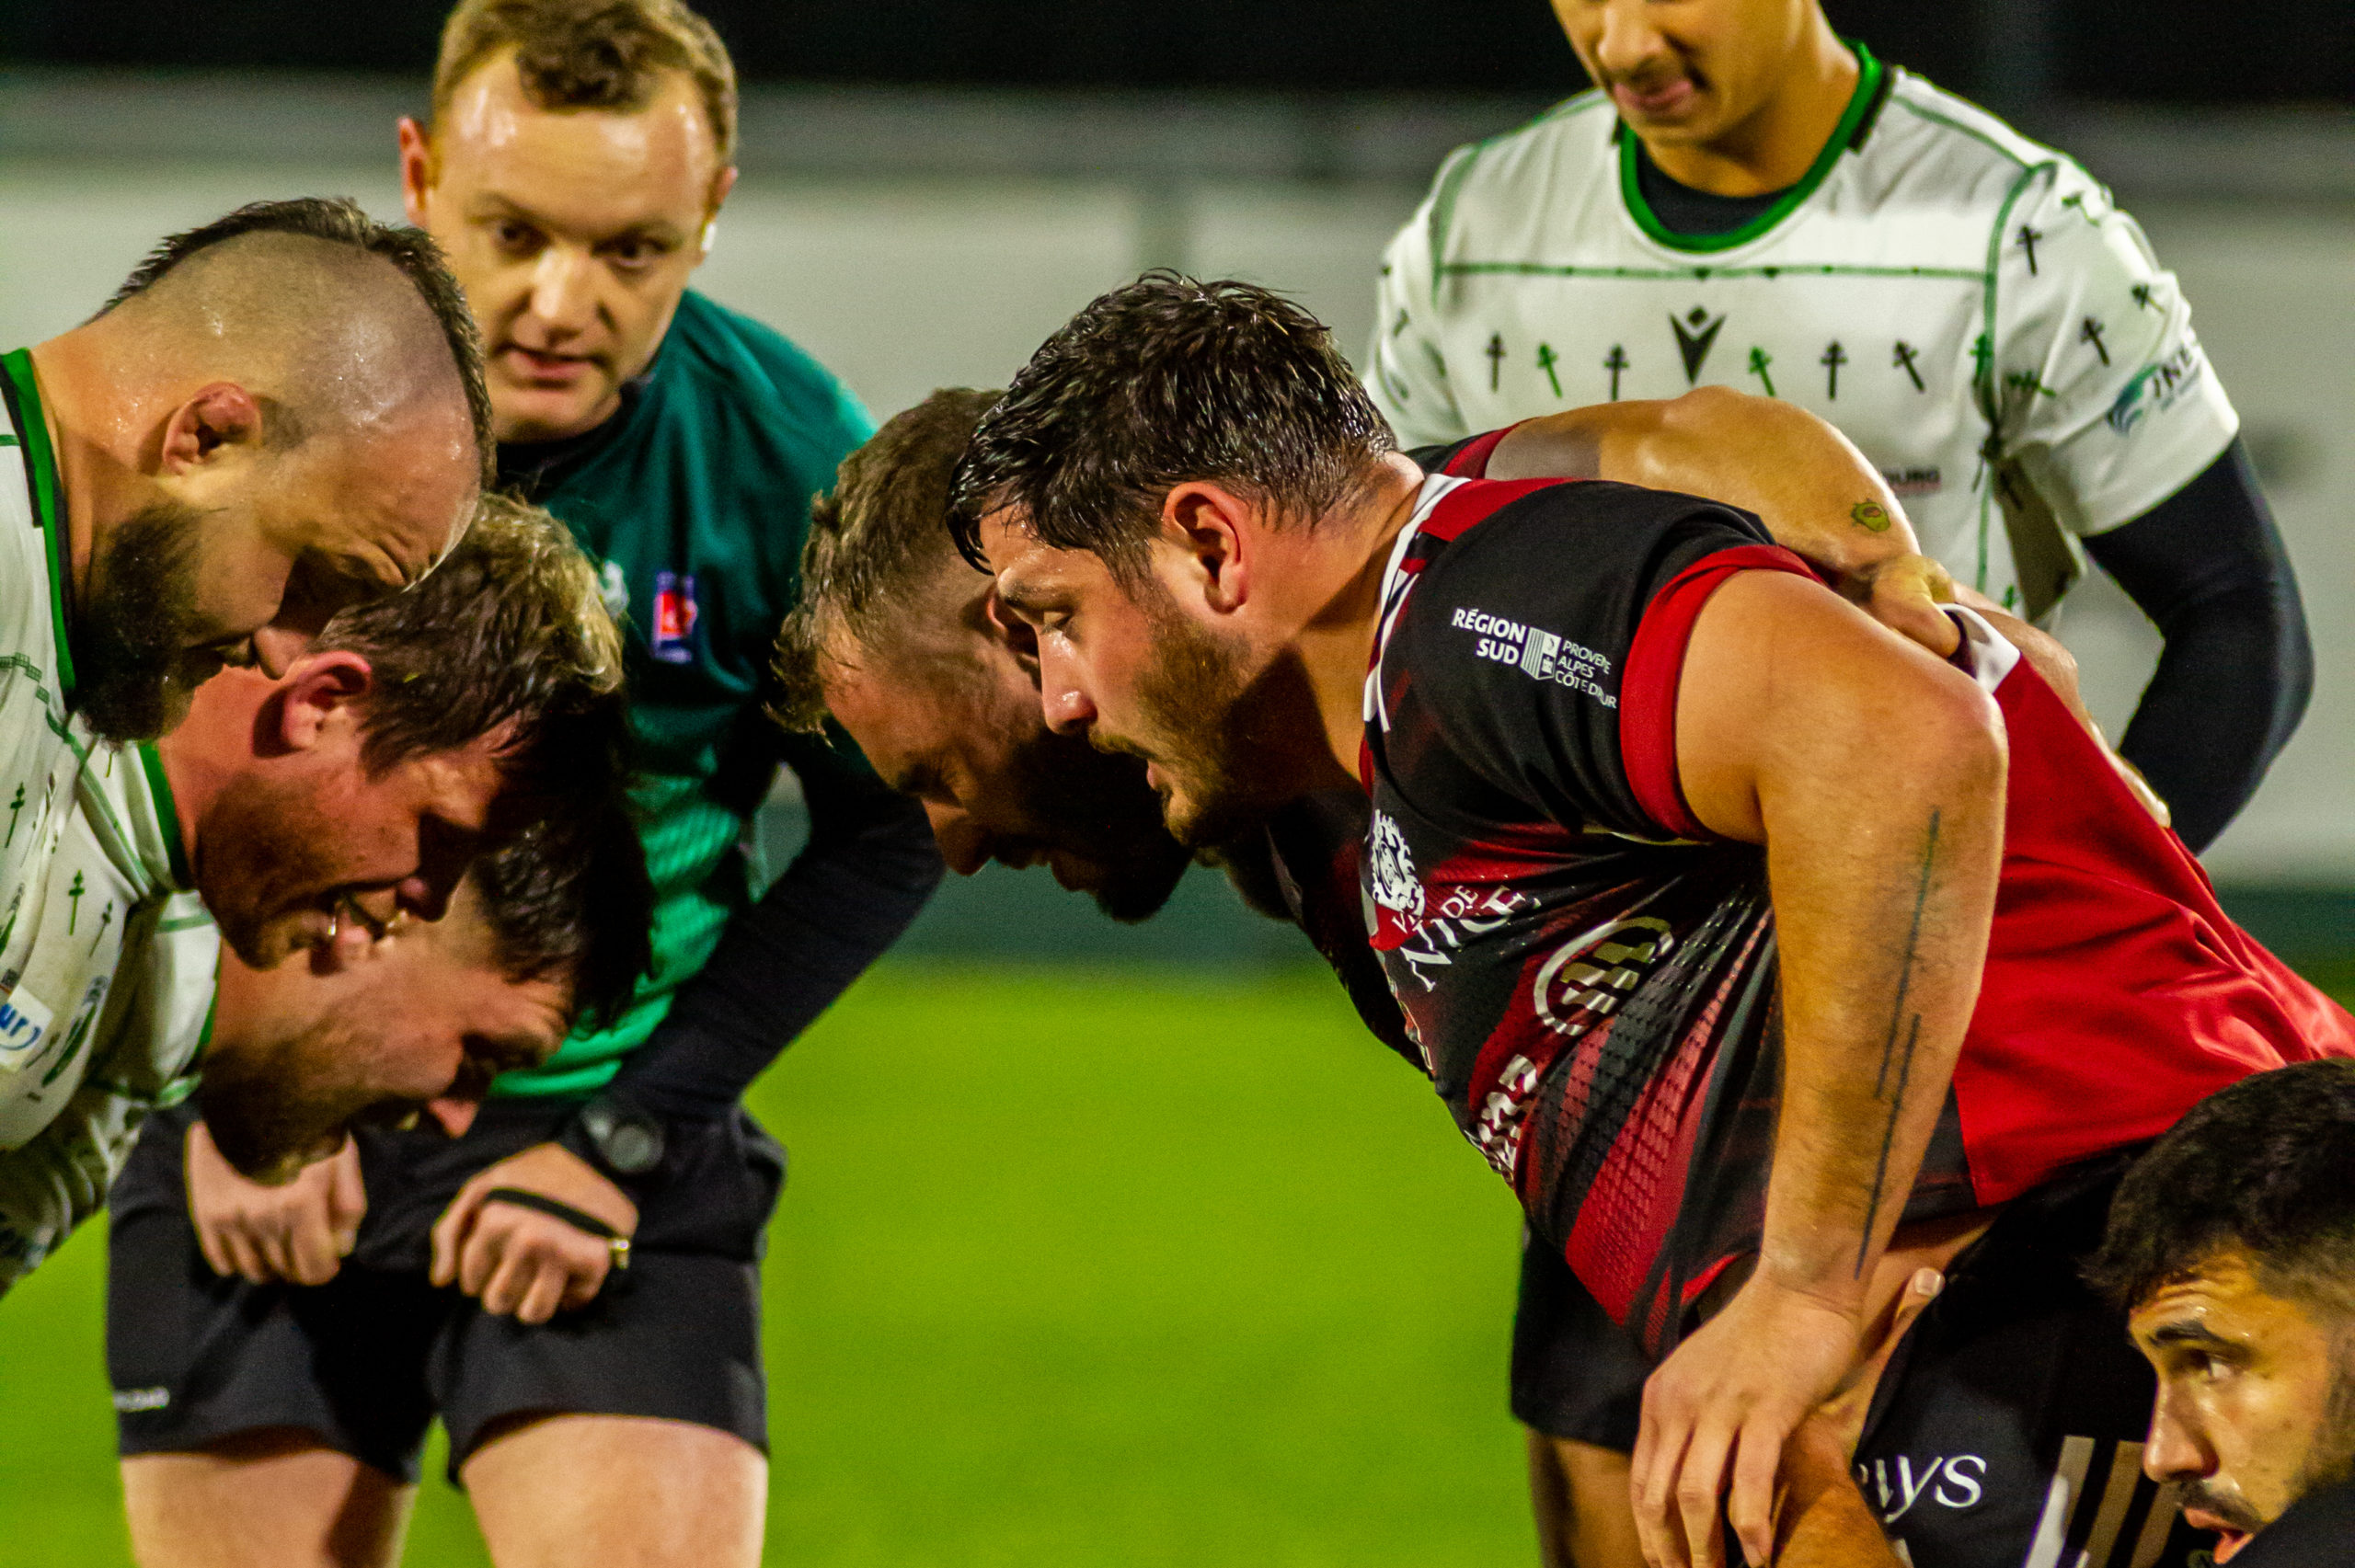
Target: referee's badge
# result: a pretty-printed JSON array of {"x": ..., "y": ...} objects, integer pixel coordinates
[{"x": 674, "y": 616}]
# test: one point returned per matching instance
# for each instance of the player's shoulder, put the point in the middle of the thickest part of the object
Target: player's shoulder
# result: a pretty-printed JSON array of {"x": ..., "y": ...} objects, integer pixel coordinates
[
  {"x": 1567, "y": 147},
  {"x": 759, "y": 375},
  {"x": 1940, "y": 144}
]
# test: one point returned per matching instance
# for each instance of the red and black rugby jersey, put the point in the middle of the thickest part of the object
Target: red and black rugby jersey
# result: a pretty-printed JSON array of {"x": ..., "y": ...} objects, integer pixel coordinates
[{"x": 1592, "y": 978}]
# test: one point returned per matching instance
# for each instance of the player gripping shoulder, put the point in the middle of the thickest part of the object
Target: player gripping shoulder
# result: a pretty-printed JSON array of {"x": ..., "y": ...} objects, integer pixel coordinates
[
  {"x": 1747, "y": 200},
  {"x": 681, "y": 443}
]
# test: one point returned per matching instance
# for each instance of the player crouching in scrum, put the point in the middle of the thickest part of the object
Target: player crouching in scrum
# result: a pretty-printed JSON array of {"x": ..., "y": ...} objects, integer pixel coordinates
[
  {"x": 307, "y": 813},
  {"x": 1746, "y": 1110}
]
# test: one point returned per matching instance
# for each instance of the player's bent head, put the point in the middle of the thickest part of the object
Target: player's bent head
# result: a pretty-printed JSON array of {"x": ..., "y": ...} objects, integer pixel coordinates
[
  {"x": 546, "y": 934},
  {"x": 317, "y": 381},
  {"x": 1162, "y": 381},
  {"x": 2231, "y": 1245},
  {"x": 579, "y": 155},
  {"x": 419, "y": 731},
  {"x": 898, "y": 639}
]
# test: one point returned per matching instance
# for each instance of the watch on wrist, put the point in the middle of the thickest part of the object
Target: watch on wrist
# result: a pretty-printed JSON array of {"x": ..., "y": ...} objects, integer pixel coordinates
[{"x": 625, "y": 1140}]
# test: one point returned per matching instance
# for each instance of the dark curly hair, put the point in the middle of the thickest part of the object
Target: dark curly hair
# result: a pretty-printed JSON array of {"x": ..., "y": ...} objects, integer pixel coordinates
[
  {"x": 2267, "y": 1168},
  {"x": 570, "y": 900},
  {"x": 1160, "y": 382}
]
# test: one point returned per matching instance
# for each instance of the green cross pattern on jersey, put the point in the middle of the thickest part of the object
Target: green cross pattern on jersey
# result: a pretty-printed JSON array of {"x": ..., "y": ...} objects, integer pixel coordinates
[
  {"x": 700, "y": 500},
  {"x": 1926, "y": 286}
]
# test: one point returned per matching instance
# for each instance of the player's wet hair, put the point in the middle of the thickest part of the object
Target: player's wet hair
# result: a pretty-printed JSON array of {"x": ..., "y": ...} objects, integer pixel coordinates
[
  {"x": 507, "y": 630},
  {"x": 1158, "y": 383},
  {"x": 604, "y": 54},
  {"x": 264, "y": 274},
  {"x": 876, "y": 544},
  {"x": 2265, "y": 1168},
  {"x": 570, "y": 899}
]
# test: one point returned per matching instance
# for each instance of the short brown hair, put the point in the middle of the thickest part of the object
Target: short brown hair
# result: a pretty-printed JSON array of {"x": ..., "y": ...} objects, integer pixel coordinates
[
  {"x": 593, "y": 54},
  {"x": 337, "y": 220},
  {"x": 1157, "y": 383},
  {"x": 509, "y": 629},
  {"x": 570, "y": 900},
  {"x": 876, "y": 540}
]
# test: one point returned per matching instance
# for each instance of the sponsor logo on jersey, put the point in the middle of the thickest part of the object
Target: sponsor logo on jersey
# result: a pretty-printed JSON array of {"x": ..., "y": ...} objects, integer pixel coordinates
[
  {"x": 613, "y": 587},
  {"x": 24, "y": 1023},
  {"x": 130, "y": 1401},
  {"x": 2156, "y": 388},
  {"x": 1694, "y": 344},
  {"x": 1589, "y": 976},
  {"x": 1538, "y": 654},
  {"x": 1947, "y": 1480},
  {"x": 674, "y": 616}
]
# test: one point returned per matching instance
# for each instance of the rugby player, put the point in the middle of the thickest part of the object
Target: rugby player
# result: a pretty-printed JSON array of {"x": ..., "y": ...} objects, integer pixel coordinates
[
  {"x": 577, "y": 161},
  {"x": 1746, "y": 199},
  {"x": 1720, "y": 1096},
  {"x": 2231, "y": 1249},
  {"x": 304, "y": 813}
]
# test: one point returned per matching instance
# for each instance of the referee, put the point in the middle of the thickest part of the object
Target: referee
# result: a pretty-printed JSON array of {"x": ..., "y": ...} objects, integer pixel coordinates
[{"x": 579, "y": 154}]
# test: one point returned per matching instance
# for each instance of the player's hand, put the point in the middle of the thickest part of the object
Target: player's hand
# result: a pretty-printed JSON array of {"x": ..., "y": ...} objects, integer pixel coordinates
[
  {"x": 300, "y": 1232},
  {"x": 1718, "y": 1412},
  {"x": 1907, "y": 593},
  {"x": 517, "y": 1260}
]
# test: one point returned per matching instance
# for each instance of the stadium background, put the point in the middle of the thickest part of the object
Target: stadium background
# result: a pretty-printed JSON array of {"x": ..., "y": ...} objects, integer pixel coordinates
[{"x": 1125, "y": 1245}]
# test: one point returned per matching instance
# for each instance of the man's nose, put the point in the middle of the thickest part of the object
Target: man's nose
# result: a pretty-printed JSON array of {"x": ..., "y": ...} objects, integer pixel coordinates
[
  {"x": 2175, "y": 1451},
  {"x": 962, "y": 843},
  {"x": 563, "y": 294},
  {"x": 1068, "y": 709},
  {"x": 1629, "y": 37}
]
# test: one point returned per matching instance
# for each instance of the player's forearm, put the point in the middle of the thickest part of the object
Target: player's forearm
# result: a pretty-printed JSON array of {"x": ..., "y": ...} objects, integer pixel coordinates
[
  {"x": 1813, "y": 489},
  {"x": 1823, "y": 1520},
  {"x": 1873, "y": 774}
]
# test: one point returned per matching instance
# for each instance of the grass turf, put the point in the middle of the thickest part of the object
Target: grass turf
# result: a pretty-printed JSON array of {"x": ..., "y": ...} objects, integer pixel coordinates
[{"x": 1074, "y": 1267}]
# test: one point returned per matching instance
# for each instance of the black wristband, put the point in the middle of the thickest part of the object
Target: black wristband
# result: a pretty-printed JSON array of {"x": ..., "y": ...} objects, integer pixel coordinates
[{"x": 573, "y": 1217}]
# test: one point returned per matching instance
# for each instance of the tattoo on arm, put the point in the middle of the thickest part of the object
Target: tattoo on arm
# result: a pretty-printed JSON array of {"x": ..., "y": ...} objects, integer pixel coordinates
[
  {"x": 1870, "y": 516},
  {"x": 1911, "y": 1029}
]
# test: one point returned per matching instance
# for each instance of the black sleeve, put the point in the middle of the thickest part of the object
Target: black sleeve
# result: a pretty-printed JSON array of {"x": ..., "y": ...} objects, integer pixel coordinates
[
  {"x": 867, "y": 868},
  {"x": 2207, "y": 565}
]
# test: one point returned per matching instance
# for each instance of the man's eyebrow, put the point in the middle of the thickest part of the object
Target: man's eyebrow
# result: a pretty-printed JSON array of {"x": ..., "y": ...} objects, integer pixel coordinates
[
  {"x": 2191, "y": 1331},
  {"x": 916, "y": 778},
  {"x": 492, "y": 205},
  {"x": 1020, "y": 596}
]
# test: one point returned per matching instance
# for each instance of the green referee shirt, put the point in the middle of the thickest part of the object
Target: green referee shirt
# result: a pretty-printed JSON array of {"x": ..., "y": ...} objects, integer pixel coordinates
[{"x": 693, "y": 501}]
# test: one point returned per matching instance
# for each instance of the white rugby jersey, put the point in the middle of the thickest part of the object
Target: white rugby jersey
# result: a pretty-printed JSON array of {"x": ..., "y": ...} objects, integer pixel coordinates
[
  {"x": 1970, "y": 308},
  {"x": 111, "y": 1006},
  {"x": 42, "y": 747}
]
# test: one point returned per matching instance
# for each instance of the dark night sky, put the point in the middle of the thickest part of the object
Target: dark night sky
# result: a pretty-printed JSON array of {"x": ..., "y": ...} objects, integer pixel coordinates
[{"x": 2171, "y": 50}]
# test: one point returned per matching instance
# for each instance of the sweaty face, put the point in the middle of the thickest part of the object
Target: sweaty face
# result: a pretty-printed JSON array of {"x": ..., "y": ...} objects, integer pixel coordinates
[
  {"x": 300, "y": 1051},
  {"x": 302, "y": 843},
  {"x": 961, "y": 730},
  {"x": 2256, "y": 1397},
  {"x": 1119, "y": 665},
  {"x": 1684, "y": 72},
  {"x": 139, "y": 652},
  {"x": 572, "y": 232}
]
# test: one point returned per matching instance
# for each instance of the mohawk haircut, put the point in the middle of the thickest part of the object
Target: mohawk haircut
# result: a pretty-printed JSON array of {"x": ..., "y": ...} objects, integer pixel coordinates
[
  {"x": 1164, "y": 381},
  {"x": 2261, "y": 1167},
  {"x": 875, "y": 542},
  {"x": 509, "y": 630},
  {"x": 337, "y": 222},
  {"x": 604, "y": 54}
]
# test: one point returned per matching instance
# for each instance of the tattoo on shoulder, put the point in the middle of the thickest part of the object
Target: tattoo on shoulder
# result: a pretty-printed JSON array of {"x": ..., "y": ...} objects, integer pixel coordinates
[{"x": 1903, "y": 1028}]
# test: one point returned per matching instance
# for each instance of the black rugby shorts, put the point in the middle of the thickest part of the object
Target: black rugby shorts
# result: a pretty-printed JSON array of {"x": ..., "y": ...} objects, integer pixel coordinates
[{"x": 367, "y": 1360}]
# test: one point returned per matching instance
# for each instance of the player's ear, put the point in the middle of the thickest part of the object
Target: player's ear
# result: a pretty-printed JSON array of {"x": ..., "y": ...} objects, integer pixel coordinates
[
  {"x": 721, "y": 184},
  {"x": 419, "y": 168},
  {"x": 1009, "y": 631},
  {"x": 321, "y": 694},
  {"x": 217, "y": 417},
  {"x": 1206, "y": 523}
]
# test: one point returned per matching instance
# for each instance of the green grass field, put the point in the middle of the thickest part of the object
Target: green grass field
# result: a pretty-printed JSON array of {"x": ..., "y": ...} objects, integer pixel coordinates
[{"x": 1075, "y": 1267}]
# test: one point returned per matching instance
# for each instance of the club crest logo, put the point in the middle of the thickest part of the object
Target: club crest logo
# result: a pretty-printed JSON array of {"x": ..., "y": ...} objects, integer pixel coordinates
[
  {"x": 1392, "y": 870},
  {"x": 674, "y": 616}
]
